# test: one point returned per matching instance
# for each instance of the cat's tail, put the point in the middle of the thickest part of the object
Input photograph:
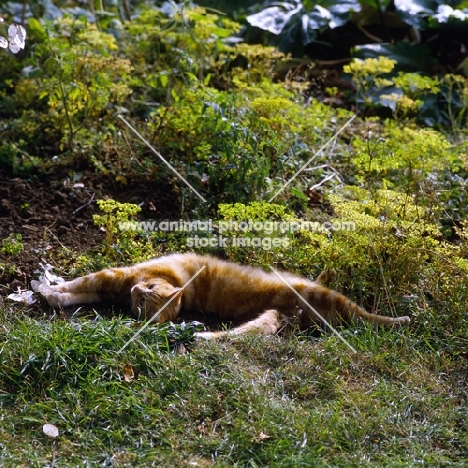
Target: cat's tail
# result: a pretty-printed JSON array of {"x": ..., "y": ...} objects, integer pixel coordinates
[{"x": 334, "y": 307}]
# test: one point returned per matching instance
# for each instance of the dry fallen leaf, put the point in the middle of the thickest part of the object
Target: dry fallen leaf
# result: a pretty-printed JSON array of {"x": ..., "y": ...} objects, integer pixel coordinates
[
  {"x": 129, "y": 375},
  {"x": 50, "y": 430},
  {"x": 262, "y": 436},
  {"x": 23, "y": 296},
  {"x": 181, "y": 349}
]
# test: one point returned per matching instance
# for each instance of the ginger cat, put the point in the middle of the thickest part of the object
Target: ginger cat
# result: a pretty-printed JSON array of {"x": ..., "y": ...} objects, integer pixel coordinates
[{"x": 224, "y": 289}]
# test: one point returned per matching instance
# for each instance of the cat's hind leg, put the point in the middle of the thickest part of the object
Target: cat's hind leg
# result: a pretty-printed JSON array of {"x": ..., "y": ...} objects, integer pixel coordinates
[{"x": 268, "y": 323}]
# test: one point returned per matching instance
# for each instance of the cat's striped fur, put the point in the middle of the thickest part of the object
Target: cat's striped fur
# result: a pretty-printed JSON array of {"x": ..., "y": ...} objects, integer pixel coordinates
[{"x": 227, "y": 290}]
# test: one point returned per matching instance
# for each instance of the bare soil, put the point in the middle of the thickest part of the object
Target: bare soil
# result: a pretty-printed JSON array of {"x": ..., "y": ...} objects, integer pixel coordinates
[{"x": 52, "y": 212}]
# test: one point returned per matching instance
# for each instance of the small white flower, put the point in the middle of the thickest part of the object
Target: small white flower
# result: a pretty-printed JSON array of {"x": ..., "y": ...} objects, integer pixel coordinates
[
  {"x": 16, "y": 38},
  {"x": 17, "y": 35}
]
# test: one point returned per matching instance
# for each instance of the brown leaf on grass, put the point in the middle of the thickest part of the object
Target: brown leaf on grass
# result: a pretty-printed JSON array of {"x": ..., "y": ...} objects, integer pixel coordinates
[
  {"x": 181, "y": 349},
  {"x": 129, "y": 375},
  {"x": 262, "y": 436},
  {"x": 201, "y": 428}
]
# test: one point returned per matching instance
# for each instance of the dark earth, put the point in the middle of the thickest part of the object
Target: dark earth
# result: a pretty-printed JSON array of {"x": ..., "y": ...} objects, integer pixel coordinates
[{"x": 52, "y": 212}]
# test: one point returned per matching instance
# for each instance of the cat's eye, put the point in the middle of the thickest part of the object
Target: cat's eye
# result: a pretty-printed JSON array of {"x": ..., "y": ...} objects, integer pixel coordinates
[{"x": 150, "y": 286}]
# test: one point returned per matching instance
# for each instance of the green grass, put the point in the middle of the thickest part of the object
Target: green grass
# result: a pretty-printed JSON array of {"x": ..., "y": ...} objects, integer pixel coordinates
[{"x": 252, "y": 401}]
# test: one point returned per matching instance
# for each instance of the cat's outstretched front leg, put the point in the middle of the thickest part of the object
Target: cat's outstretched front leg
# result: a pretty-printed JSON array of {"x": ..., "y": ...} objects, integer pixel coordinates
[
  {"x": 96, "y": 287},
  {"x": 57, "y": 298}
]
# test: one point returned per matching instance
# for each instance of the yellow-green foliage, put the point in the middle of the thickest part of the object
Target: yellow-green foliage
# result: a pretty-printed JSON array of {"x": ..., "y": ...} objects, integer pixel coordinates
[
  {"x": 414, "y": 83},
  {"x": 413, "y": 90},
  {"x": 114, "y": 214},
  {"x": 366, "y": 75},
  {"x": 402, "y": 156},
  {"x": 230, "y": 141},
  {"x": 394, "y": 252},
  {"x": 385, "y": 256},
  {"x": 261, "y": 211},
  {"x": 191, "y": 118},
  {"x": 362, "y": 70},
  {"x": 396, "y": 260},
  {"x": 380, "y": 243},
  {"x": 204, "y": 114},
  {"x": 455, "y": 91},
  {"x": 12, "y": 245},
  {"x": 180, "y": 48},
  {"x": 82, "y": 81},
  {"x": 403, "y": 105},
  {"x": 274, "y": 114},
  {"x": 407, "y": 91},
  {"x": 247, "y": 224},
  {"x": 262, "y": 63}
]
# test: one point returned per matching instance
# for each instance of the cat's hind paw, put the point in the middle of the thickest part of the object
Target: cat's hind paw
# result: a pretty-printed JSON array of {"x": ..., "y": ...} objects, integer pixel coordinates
[
  {"x": 326, "y": 277},
  {"x": 401, "y": 321}
]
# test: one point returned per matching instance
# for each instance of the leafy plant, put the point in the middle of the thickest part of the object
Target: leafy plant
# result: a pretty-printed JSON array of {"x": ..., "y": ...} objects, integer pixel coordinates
[
  {"x": 253, "y": 231},
  {"x": 424, "y": 13},
  {"x": 403, "y": 158},
  {"x": 436, "y": 101},
  {"x": 12, "y": 245},
  {"x": 115, "y": 213},
  {"x": 366, "y": 77},
  {"x": 83, "y": 77},
  {"x": 454, "y": 89},
  {"x": 297, "y": 23}
]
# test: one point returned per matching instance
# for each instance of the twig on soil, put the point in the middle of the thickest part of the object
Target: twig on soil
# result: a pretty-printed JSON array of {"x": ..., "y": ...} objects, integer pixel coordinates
[{"x": 86, "y": 204}]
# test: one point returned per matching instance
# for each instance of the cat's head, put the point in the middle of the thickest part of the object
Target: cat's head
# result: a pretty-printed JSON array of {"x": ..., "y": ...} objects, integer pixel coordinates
[{"x": 152, "y": 297}]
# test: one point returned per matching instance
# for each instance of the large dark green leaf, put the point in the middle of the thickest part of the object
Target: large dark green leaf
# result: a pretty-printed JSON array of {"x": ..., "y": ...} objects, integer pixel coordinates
[
  {"x": 297, "y": 34},
  {"x": 424, "y": 13},
  {"x": 341, "y": 10},
  {"x": 447, "y": 14},
  {"x": 377, "y": 4},
  {"x": 276, "y": 17},
  {"x": 295, "y": 26},
  {"x": 414, "y": 12},
  {"x": 409, "y": 57}
]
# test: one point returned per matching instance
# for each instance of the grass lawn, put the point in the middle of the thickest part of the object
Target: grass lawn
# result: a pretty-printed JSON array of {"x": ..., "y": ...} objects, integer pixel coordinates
[{"x": 250, "y": 401}]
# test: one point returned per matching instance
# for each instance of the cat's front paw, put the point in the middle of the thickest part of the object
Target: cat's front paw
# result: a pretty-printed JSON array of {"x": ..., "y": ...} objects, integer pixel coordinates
[
  {"x": 39, "y": 287},
  {"x": 51, "y": 296}
]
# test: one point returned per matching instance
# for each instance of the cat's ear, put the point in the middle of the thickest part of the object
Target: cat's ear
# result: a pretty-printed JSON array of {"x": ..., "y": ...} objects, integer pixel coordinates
[{"x": 176, "y": 293}]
